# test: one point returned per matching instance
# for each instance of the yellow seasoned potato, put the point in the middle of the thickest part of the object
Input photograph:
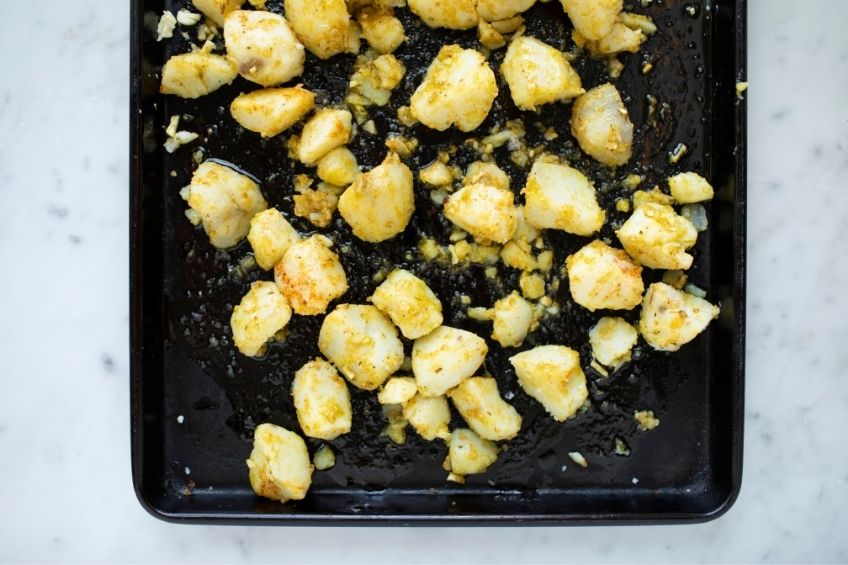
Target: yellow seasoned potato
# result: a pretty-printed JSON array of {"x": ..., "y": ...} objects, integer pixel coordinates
[
  {"x": 326, "y": 130},
  {"x": 225, "y": 201},
  {"x": 512, "y": 321},
  {"x": 380, "y": 203},
  {"x": 497, "y": 10},
  {"x": 374, "y": 78},
  {"x": 324, "y": 458},
  {"x": 671, "y": 318},
  {"x": 323, "y": 26},
  {"x": 338, "y": 167},
  {"x": 458, "y": 89},
  {"x": 538, "y": 74},
  {"x": 525, "y": 232},
  {"x": 560, "y": 197},
  {"x": 444, "y": 358},
  {"x": 552, "y": 375},
  {"x": 484, "y": 211},
  {"x": 602, "y": 127},
  {"x": 262, "y": 312},
  {"x": 362, "y": 343},
  {"x": 279, "y": 466},
  {"x": 311, "y": 276},
  {"x": 603, "y": 278},
  {"x": 482, "y": 172},
  {"x": 480, "y": 404},
  {"x": 436, "y": 174},
  {"x": 593, "y": 18},
  {"x": 470, "y": 454},
  {"x": 270, "y": 236},
  {"x": 451, "y": 14},
  {"x": 429, "y": 416},
  {"x": 619, "y": 40},
  {"x": 689, "y": 188},
  {"x": 217, "y": 10},
  {"x": 397, "y": 390},
  {"x": 380, "y": 28},
  {"x": 657, "y": 237},
  {"x": 612, "y": 339},
  {"x": 192, "y": 75},
  {"x": 409, "y": 302},
  {"x": 263, "y": 46},
  {"x": 271, "y": 111},
  {"x": 321, "y": 400}
]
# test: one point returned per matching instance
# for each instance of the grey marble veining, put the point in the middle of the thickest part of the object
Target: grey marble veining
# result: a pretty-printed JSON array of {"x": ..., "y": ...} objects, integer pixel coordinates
[{"x": 65, "y": 477}]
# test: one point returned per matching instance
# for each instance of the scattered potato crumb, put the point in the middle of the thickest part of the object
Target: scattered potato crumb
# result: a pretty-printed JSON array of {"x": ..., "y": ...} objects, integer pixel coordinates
[{"x": 646, "y": 420}]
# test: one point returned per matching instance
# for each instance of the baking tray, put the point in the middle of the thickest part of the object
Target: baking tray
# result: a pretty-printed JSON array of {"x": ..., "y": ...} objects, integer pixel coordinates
[{"x": 195, "y": 402}]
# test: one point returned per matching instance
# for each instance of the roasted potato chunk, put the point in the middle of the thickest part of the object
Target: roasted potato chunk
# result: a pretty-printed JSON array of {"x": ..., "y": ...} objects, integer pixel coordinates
[
  {"x": 192, "y": 75},
  {"x": 270, "y": 236},
  {"x": 603, "y": 278},
  {"x": 602, "y": 127},
  {"x": 272, "y": 111},
  {"x": 538, "y": 74},
  {"x": 478, "y": 401},
  {"x": 560, "y": 197},
  {"x": 279, "y": 466},
  {"x": 262, "y": 312},
  {"x": 451, "y": 14},
  {"x": 552, "y": 375},
  {"x": 671, "y": 318},
  {"x": 430, "y": 416},
  {"x": 409, "y": 302},
  {"x": 326, "y": 130},
  {"x": 321, "y": 400},
  {"x": 311, "y": 276},
  {"x": 323, "y": 26},
  {"x": 470, "y": 454},
  {"x": 657, "y": 237},
  {"x": 444, "y": 358},
  {"x": 612, "y": 340},
  {"x": 593, "y": 18},
  {"x": 217, "y": 10},
  {"x": 263, "y": 46},
  {"x": 485, "y": 211}
]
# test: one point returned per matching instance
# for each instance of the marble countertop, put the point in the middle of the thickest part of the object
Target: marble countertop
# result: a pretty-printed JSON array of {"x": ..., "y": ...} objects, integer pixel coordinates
[{"x": 64, "y": 425}]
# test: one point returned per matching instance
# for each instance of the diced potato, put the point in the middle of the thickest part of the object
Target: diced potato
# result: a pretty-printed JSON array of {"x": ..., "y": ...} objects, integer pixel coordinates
[
  {"x": 593, "y": 18},
  {"x": 619, "y": 40},
  {"x": 452, "y": 14},
  {"x": 270, "y": 236},
  {"x": 338, "y": 167},
  {"x": 192, "y": 75},
  {"x": 279, "y": 466},
  {"x": 324, "y": 458},
  {"x": 458, "y": 89},
  {"x": 321, "y": 400},
  {"x": 484, "y": 211},
  {"x": 532, "y": 285},
  {"x": 497, "y": 10},
  {"x": 262, "y": 312},
  {"x": 271, "y": 111},
  {"x": 323, "y": 26},
  {"x": 436, "y": 174},
  {"x": 689, "y": 188},
  {"x": 513, "y": 318},
  {"x": 380, "y": 203},
  {"x": 482, "y": 172},
  {"x": 612, "y": 339},
  {"x": 478, "y": 401},
  {"x": 671, "y": 318},
  {"x": 311, "y": 276},
  {"x": 489, "y": 37},
  {"x": 317, "y": 206},
  {"x": 398, "y": 390},
  {"x": 444, "y": 358},
  {"x": 263, "y": 46},
  {"x": 552, "y": 375},
  {"x": 655, "y": 195},
  {"x": 601, "y": 277},
  {"x": 602, "y": 127},
  {"x": 326, "y": 130},
  {"x": 524, "y": 230},
  {"x": 430, "y": 416},
  {"x": 226, "y": 202},
  {"x": 217, "y": 10},
  {"x": 646, "y": 420},
  {"x": 381, "y": 29},
  {"x": 560, "y": 197},
  {"x": 373, "y": 80},
  {"x": 538, "y": 74},
  {"x": 657, "y": 237},
  {"x": 470, "y": 454},
  {"x": 362, "y": 343},
  {"x": 410, "y": 303}
]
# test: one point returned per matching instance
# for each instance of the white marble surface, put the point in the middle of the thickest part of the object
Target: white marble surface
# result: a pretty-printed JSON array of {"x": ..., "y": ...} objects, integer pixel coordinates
[{"x": 65, "y": 475}]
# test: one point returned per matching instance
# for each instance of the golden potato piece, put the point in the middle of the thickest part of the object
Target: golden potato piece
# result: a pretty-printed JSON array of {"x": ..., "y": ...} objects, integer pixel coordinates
[
  {"x": 272, "y": 111},
  {"x": 552, "y": 375},
  {"x": 262, "y": 312},
  {"x": 470, "y": 454},
  {"x": 478, "y": 401},
  {"x": 671, "y": 318},
  {"x": 602, "y": 127},
  {"x": 270, "y": 236},
  {"x": 217, "y": 10},
  {"x": 601, "y": 277},
  {"x": 323, "y": 26},
  {"x": 593, "y": 18},
  {"x": 192, "y": 75},
  {"x": 321, "y": 400},
  {"x": 409, "y": 302},
  {"x": 279, "y": 466},
  {"x": 444, "y": 358},
  {"x": 561, "y": 197},
  {"x": 657, "y": 237},
  {"x": 263, "y": 46},
  {"x": 538, "y": 74},
  {"x": 311, "y": 276},
  {"x": 484, "y": 211},
  {"x": 451, "y": 14}
]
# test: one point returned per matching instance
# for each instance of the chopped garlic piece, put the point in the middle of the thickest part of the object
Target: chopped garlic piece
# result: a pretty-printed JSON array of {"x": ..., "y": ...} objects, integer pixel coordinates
[
  {"x": 410, "y": 303},
  {"x": 192, "y": 75},
  {"x": 478, "y": 401},
  {"x": 317, "y": 206},
  {"x": 552, "y": 375},
  {"x": 444, "y": 358},
  {"x": 470, "y": 454},
  {"x": 671, "y": 318},
  {"x": 178, "y": 140},
  {"x": 689, "y": 188},
  {"x": 430, "y": 416},
  {"x": 279, "y": 466},
  {"x": 188, "y": 18},
  {"x": 602, "y": 126},
  {"x": 603, "y": 278},
  {"x": 321, "y": 400},
  {"x": 538, "y": 74},
  {"x": 311, "y": 276},
  {"x": 532, "y": 285},
  {"x": 271, "y": 111},
  {"x": 578, "y": 458},
  {"x": 560, "y": 197},
  {"x": 484, "y": 211},
  {"x": 270, "y": 236},
  {"x": 262, "y": 312},
  {"x": 165, "y": 28},
  {"x": 452, "y": 14},
  {"x": 657, "y": 237},
  {"x": 646, "y": 420},
  {"x": 373, "y": 80},
  {"x": 612, "y": 339},
  {"x": 397, "y": 390},
  {"x": 513, "y": 317},
  {"x": 323, "y": 26}
]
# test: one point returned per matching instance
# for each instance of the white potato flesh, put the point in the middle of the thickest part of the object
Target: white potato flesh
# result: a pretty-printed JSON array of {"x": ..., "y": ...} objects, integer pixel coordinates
[
  {"x": 192, "y": 75},
  {"x": 593, "y": 18},
  {"x": 524, "y": 231},
  {"x": 480, "y": 404},
  {"x": 657, "y": 237},
  {"x": 552, "y": 375},
  {"x": 482, "y": 172},
  {"x": 380, "y": 203},
  {"x": 671, "y": 318},
  {"x": 226, "y": 202},
  {"x": 436, "y": 174},
  {"x": 409, "y": 302},
  {"x": 321, "y": 400},
  {"x": 469, "y": 454},
  {"x": 619, "y": 40},
  {"x": 397, "y": 390},
  {"x": 512, "y": 321},
  {"x": 217, "y": 10},
  {"x": 262, "y": 312},
  {"x": 279, "y": 466},
  {"x": 451, "y": 14},
  {"x": 311, "y": 276},
  {"x": 458, "y": 89},
  {"x": 538, "y": 74},
  {"x": 689, "y": 188},
  {"x": 323, "y": 26},
  {"x": 602, "y": 126},
  {"x": 362, "y": 343},
  {"x": 430, "y": 416},
  {"x": 270, "y": 236},
  {"x": 612, "y": 340},
  {"x": 444, "y": 358},
  {"x": 497, "y": 10},
  {"x": 271, "y": 111},
  {"x": 601, "y": 277},
  {"x": 338, "y": 167},
  {"x": 327, "y": 129},
  {"x": 374, "y": 78},
  {"x": 263, "y": 46},
  {"x": 484, "y": 211},
  {"x": 381, "y": 29},
  {"x": 560, "y": 197}
]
